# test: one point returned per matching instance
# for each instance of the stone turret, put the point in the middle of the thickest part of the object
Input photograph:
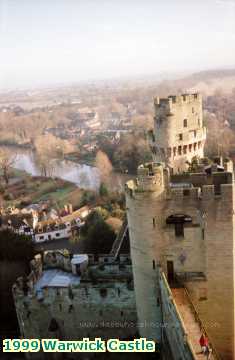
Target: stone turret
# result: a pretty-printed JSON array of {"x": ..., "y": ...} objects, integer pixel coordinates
[
  {"x": 179, "y": 134},
  {"x": 141, "y": 197}
]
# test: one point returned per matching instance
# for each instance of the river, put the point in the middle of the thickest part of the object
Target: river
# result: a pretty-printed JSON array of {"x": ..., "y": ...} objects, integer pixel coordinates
[{"x": 84, "y": 176}]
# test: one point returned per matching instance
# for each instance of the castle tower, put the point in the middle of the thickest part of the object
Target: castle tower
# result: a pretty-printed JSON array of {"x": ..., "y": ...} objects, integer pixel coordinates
[
  {"x": 178, "y": 133},
  {"x": 184, "y": 222},
  {"x": 142, "y": 198},
  {"x": 190, "y": 232}
]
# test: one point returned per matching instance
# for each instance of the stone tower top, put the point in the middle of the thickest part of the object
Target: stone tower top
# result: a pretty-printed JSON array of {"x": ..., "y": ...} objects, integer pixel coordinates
[
  {"x": 177, "y": 99},
  {"x": 179, "y": 134}
]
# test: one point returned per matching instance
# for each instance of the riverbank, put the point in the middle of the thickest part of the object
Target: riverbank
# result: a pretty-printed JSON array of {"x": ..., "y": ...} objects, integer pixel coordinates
[
  {"x": 89, "y": 160},
  {"x": 84, "y": 176},
  {"x": 24, "y": 190}
]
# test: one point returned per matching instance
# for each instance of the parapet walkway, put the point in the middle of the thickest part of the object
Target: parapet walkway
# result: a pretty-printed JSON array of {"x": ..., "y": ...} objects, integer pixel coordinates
[{"x": 191, "y": 324}]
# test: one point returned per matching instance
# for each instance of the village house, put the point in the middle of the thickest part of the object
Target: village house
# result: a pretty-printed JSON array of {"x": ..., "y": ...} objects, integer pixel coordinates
[{"x": 62, "y": 227}]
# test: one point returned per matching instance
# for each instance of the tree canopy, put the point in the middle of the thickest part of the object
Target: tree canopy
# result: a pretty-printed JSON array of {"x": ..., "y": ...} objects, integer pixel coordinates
[
  {"x": 97, "y": 235},
  {"x": 14, "y": 247}
]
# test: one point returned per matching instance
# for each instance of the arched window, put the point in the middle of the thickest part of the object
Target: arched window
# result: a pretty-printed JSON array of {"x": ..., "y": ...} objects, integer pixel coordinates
[{"x": 185, "y": 123}]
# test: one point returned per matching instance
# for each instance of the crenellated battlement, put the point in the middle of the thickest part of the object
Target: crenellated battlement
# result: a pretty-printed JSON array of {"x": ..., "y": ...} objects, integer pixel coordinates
[
  {"x": 177, "y": 99},
  {"x": 184, "y": 222},
  {"x": 90, "y": 266},
  {"x": 184, "y": 194},
  {"x": 80, "y": 302},
  {"x": 223, "y": 192},
  {"x": 150, "y": 177}
]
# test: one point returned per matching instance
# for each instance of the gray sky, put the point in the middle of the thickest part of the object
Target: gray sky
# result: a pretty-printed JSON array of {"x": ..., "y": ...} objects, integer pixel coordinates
[{"x": 55, "y": 41}]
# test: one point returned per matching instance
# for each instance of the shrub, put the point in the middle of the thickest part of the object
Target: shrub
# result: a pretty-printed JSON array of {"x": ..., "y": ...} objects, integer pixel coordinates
[
  {"x": 97, "y": 235},
  {"x": 88, "y": 197},
  {"x": 8, "y": 196},
  {"x": 103, "y": 191}
]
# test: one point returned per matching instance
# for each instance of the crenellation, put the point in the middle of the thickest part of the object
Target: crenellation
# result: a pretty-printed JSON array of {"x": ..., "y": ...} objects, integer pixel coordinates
[
  {"x": 178, "y": 99},
  {"x": 185, "y": 194},
  {"x": 185, "y": 224},
  {"x": 150, "y": 177}
]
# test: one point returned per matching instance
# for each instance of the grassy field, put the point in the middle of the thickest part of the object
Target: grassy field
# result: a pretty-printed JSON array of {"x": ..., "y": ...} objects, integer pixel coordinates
[{"x": 24, "y": 189}]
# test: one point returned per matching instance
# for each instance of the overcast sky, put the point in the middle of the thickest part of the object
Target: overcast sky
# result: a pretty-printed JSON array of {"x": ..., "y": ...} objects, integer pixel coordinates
[{"x": 56, "y": 41}]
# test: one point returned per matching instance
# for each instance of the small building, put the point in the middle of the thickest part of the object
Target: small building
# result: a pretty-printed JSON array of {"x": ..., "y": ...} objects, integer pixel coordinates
[{"x": 53, "y": 232}]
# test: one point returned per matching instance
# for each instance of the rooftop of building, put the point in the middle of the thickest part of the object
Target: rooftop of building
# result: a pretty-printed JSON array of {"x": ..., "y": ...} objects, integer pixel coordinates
[{"x": 56, "y": 278}]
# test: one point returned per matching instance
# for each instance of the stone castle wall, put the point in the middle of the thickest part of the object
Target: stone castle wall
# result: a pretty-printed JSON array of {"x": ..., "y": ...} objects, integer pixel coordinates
[
  {"x": 97, "y": 307},
  {"x": 206, "y": 250}
]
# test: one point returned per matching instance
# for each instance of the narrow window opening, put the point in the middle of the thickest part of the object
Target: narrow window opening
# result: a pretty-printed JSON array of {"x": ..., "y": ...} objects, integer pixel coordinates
[
  {"x": 154, "y": 223},
  {"x": 70, "y": 308},
  {"x": 103, "y": 292},
  {"x": 179, "y": 229}
]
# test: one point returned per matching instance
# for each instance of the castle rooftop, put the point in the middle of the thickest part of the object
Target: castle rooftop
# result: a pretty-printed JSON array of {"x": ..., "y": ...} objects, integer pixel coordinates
[
  {"x": 177, "y": 99},
  {"x": 214, "y": 178},
  {"x": 56, "y": 278}
]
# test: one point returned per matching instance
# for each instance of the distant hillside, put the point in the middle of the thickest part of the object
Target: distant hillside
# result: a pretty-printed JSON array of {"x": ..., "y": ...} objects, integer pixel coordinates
[{"x": 208, "y": 81}]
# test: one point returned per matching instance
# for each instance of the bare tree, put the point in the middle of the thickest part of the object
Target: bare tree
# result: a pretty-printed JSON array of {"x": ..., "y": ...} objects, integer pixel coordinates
[
  {"x": 6, "y": 162},
  {"x": 104, "y": 165},
  {"x": 46, "y": 152},
  {"x": 48, "y": 148}
]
